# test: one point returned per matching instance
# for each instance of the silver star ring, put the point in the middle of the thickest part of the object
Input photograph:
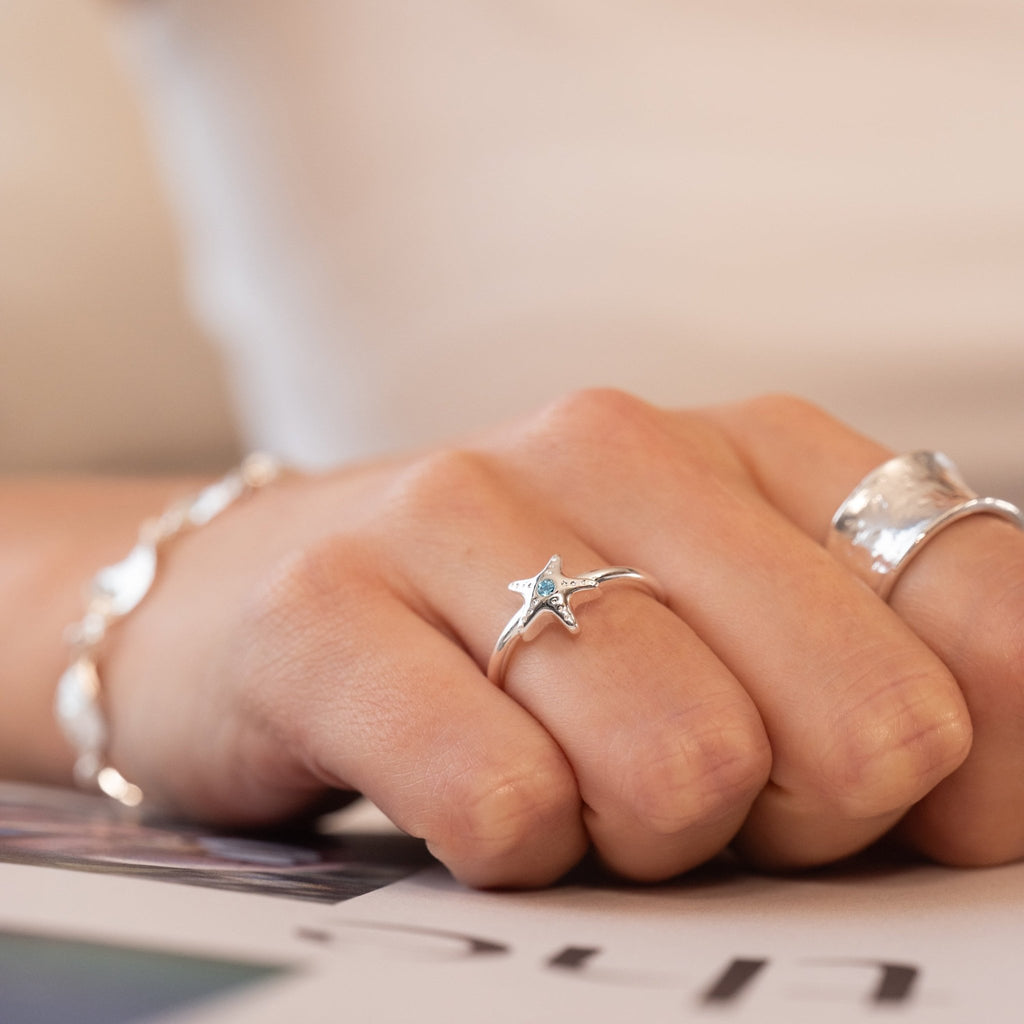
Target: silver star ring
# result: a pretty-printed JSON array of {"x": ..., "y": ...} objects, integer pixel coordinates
[
  {"x": 897, "y": 508},
  {"x": 551, "y": 595}
]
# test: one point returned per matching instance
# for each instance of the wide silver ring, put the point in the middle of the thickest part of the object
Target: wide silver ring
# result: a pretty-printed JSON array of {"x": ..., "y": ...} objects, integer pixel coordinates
[
  {"x": 550, "y": 596},
  {"x": 898, "y": 508}
]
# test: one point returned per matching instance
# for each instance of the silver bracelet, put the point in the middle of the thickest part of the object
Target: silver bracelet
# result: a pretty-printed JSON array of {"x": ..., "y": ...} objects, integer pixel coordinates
[{"x": 114, "y": 592}]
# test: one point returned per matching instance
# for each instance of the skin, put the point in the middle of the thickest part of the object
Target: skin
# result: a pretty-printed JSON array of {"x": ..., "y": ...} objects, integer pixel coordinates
[{"x": 333, "y": 632}]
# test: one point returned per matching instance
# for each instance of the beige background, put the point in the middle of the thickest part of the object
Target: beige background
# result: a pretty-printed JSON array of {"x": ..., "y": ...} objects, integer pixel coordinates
[{"x": 100, "y": 366}]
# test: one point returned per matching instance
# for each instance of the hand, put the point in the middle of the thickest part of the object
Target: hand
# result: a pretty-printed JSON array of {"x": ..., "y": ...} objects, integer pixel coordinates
[{"x": 333, "y": 632}]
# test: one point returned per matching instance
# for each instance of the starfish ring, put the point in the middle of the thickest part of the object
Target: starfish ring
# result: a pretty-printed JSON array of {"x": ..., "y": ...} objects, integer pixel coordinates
[
  {"x": 895, "y": 510},
  {"x": 550, "y": 595}
]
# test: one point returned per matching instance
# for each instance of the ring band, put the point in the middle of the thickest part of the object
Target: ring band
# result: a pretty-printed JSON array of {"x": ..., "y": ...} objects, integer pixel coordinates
[
  {"x": 897, "y": 508},
  {"x": 550, "y": 591}
]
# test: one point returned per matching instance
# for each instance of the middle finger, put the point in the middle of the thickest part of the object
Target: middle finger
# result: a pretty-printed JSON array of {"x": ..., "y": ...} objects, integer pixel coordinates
[{"x": 668, "y": 751}]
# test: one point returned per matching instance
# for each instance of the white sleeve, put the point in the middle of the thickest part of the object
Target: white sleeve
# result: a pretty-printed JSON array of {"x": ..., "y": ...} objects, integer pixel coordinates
[{"x": 405, "y": 220}]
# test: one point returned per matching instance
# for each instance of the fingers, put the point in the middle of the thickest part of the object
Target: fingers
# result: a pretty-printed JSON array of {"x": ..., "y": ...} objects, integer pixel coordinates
[
  {"x": 863, "y": 720},
  {"x": 368, "y": 695},
  {"x": 963, "y": 596},
  {"x": 772, "y": 697},
  {"x": 358, "y": 663},
  {"x": 666, "y": 749}
]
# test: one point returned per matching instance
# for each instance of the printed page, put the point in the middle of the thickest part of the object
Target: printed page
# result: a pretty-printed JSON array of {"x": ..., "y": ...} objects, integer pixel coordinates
[{"x": 877, "y": 939}]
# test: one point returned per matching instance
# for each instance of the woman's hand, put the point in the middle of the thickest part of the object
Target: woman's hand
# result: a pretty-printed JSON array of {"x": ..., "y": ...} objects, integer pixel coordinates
[{"x": 334, "y": 632}]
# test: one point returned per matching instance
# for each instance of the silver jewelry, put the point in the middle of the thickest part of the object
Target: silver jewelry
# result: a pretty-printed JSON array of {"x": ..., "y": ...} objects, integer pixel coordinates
[
  {"x": 896, "y": 508},
  {"x": 546, "y": 597},
  {"x": 113, "y": 593}
]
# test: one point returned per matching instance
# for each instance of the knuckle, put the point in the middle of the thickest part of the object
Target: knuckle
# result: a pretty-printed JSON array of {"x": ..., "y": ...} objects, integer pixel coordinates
[
  {"x": 786, "y": 409},
  {"x": 445, "y": 487},
  {"x": 620, "y": 421},
  {"x": 687, "y": 778},
  {"x": 896, "y": 746},
  {"x": 596, "y": 405},
  {"x": 586, "y": 435},
  {"x": 298, "y": 587}
]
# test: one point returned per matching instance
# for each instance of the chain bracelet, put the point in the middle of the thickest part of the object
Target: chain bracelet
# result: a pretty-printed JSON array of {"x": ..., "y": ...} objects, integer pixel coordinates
[{"x": 114, "y": 592}]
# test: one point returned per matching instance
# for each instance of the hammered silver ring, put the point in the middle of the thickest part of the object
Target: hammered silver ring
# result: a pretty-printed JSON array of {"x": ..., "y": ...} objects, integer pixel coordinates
[{"x": 897, "y": 508}]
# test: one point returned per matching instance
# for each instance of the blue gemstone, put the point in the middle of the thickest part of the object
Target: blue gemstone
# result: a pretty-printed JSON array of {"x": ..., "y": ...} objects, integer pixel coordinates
[{"x": 546, "y": 588}]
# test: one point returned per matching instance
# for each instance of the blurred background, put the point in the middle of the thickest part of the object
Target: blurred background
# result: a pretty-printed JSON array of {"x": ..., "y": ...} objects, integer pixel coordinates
[{"x": 101, "y": 367}]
